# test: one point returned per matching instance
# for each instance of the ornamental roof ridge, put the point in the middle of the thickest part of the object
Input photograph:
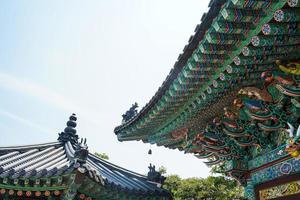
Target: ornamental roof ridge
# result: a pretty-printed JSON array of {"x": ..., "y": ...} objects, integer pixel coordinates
[
  {"x": 69, "y": 133},
  {"x": 63, "y": 158}
]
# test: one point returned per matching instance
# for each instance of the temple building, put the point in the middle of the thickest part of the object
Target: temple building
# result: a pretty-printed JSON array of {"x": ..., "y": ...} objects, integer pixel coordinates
[
  {"x": 66, "y": 170},
  {"x": 233, "y": 97}
]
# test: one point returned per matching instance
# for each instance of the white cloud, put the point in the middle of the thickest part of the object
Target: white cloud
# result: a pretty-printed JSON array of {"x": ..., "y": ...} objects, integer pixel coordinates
[
  {"x": 25, "y": 122},
  {"x": 44, "y": 94}
]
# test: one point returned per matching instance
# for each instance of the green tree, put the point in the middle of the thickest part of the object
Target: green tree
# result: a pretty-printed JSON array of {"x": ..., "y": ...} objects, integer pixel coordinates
[
  {"x": 162, "y": 170},
  {"x": 172, "y": 183},
  {"x": 210, "y": 188},
  {"x": 103, "y": 156},
  {"x": 218, "y": 169},
  {"x": 190, "y": 189}
]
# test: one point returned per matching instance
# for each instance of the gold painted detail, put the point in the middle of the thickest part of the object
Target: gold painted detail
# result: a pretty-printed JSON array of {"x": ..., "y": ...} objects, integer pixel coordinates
[
  {"x": 289, "y": 67},
  {"x": 293, "y": 144},
  {"x": 280, "y": 190}
]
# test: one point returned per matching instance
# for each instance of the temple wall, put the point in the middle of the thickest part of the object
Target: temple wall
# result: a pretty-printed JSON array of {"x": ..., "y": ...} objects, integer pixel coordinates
[{"x": 277, "y": 177}]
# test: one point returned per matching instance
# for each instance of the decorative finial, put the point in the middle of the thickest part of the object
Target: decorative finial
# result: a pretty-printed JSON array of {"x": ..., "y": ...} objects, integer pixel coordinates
[
  {"x": 71, "y": 124},
  {"x": 69, "y": 133},
  {"x": 81, "y": 151},
  {"x": 132, "y": 112},
  {"x": 154, "y": 175}
]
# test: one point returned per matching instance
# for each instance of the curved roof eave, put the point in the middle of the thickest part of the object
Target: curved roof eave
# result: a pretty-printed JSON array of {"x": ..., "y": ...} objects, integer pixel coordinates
[{"x": 206, "y": 20}]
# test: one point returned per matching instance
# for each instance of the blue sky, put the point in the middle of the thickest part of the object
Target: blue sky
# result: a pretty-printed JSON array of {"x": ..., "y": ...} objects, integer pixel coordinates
[{"x": 93, "y": 58}]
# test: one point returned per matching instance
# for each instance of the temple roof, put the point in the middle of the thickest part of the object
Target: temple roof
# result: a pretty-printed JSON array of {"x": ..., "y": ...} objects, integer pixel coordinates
[
  {"x": 188, "y": 50},
  {"x": 236, "y": 46},
  {"x": 54, "y": 159},
  {"x": 67, "y": 156},
  {"x": 230, "y": 49}
]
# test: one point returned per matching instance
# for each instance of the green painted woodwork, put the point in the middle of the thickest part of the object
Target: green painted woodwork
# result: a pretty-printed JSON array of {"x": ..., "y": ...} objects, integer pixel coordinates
[
  {"x": 259, "y": 4},
  {"x": 173, "y": 94},
  {"x": 70, "y": 186},
  {"x": 73, "y": 186},
  {"x": 35, "y": 188},
  {"x": 290, "y": 15}
]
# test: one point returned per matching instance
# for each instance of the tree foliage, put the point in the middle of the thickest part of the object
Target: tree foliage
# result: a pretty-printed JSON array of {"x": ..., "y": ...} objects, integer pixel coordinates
[
  {"x": 162, "y": 170},
  {"x": 103, "y": 156},
  {"x": 172, "y": 183},
  {"x": 210, "y": 188},
  {"x": 218, "y": 169}
]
